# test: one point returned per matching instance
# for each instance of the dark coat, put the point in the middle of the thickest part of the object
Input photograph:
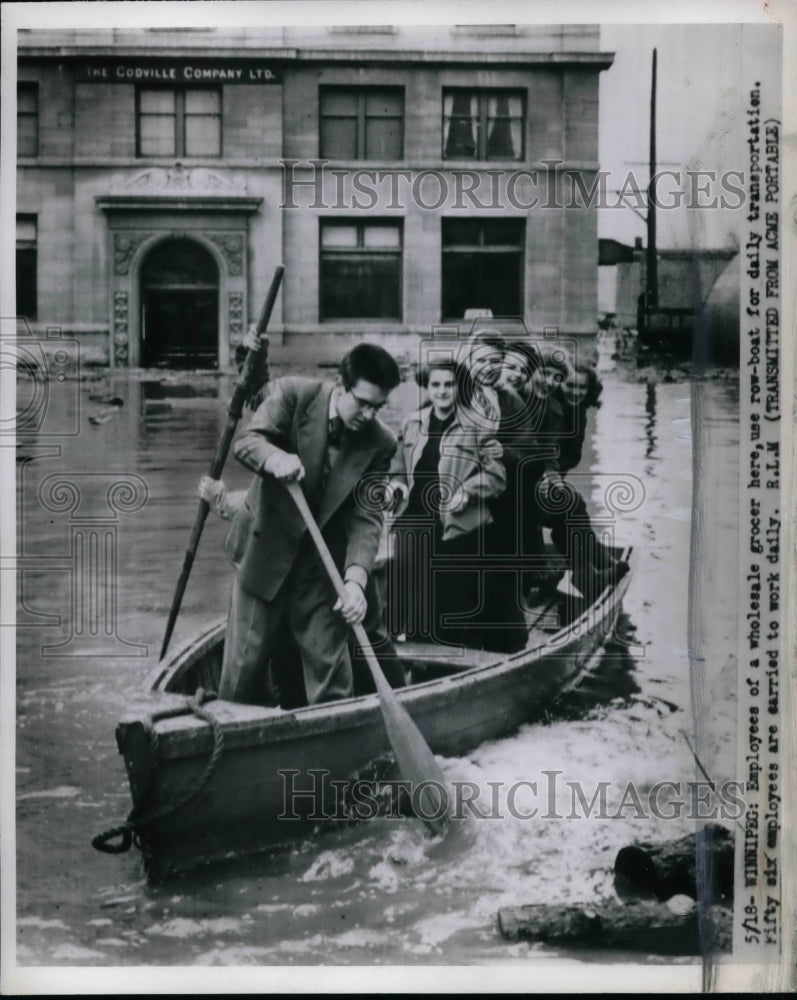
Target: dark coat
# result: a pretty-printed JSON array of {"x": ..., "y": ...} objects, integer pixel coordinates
[
  {"x": 530, "y": 432},
  {"x": 266, "y": 533},
  {"x": 470, "y": 457}
]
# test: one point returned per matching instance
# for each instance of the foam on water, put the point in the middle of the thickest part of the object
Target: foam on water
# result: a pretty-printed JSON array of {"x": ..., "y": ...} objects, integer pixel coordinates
[
  {"x": 61, "y": 792},
  {"x": 180, "y": 927},
  {"x": 328, "y": 865}
]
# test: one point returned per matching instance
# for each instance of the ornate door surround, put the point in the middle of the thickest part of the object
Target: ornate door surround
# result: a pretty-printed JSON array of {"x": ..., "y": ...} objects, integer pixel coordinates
[{"x": 136, "y": 224}]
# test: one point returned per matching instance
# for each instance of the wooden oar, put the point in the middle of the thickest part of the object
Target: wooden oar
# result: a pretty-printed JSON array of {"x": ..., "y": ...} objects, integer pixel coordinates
[
  {"x": 414, "y": 758},
  {"x": 244, "y": 388}
]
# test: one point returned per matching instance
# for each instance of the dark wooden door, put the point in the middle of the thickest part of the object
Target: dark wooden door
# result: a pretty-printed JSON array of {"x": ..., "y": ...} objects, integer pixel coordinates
[{"x": 179, "y": 296}]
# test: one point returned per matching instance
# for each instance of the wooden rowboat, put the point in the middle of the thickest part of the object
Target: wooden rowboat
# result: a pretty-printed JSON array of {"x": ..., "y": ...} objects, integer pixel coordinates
[{"x": 457, "y": 698}]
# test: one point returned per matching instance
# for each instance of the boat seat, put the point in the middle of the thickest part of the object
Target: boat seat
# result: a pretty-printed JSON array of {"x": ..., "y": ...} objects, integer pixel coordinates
[{"x": 426, "y": 660}]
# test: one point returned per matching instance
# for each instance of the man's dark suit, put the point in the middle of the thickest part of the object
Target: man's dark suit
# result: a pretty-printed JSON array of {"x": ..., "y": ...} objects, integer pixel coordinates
[{"x": 277, "y": 569}]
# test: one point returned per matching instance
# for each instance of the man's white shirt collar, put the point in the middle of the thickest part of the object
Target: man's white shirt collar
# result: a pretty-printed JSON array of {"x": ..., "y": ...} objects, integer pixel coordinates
[{"x": 333, "y": 404}]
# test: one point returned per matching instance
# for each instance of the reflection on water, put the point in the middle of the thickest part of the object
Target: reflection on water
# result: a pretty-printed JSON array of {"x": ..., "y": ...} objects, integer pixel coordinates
[
  {"x": 650, "y": 424},
  {"x": 162, "y": 389},
  {"x": 382, "y": 893}
]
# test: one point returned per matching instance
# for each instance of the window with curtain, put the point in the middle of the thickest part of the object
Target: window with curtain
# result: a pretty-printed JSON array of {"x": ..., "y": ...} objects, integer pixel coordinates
[
  {"x": 360, "y": 270},
  {"x": 361, "y": 123},
  {"x": 27, "y": 119},
  {"x": 483, "y": 124},
  {"x": 179, "y": 122},
  {"x": 26, "y": 266}
]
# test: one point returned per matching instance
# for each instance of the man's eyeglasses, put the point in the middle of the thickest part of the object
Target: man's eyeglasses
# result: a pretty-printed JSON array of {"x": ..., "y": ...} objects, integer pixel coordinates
[{"x": 366, "y": 404}]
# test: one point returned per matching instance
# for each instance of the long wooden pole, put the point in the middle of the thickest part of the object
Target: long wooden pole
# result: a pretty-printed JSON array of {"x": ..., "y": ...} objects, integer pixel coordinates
[
  {"x": 414, "y": 758},
  {"x": 243, "y": 389}
]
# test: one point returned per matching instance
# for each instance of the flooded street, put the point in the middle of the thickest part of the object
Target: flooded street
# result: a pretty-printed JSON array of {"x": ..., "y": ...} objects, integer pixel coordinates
[{"x": 382, "y": 893}]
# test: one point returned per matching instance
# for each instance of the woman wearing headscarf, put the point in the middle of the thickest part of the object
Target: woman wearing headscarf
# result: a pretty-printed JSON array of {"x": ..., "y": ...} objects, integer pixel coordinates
[{"x": 505, "y": 627}]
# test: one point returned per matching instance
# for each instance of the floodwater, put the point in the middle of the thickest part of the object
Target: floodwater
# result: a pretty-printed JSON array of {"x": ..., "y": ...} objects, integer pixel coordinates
[{"x": 382, "y": 893}]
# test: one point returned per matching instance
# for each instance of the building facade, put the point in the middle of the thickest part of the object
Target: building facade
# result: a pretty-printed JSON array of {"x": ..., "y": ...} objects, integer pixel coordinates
[{"x": 402, "y": 176}]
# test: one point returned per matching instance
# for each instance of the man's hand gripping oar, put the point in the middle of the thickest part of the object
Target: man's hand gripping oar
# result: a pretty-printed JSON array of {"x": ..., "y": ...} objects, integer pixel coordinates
[{"x": 415, "y": 760}]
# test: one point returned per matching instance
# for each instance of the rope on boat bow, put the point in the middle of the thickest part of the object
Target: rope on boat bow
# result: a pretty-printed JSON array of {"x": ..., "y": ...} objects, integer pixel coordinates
[{"x": 128, "y": 830}]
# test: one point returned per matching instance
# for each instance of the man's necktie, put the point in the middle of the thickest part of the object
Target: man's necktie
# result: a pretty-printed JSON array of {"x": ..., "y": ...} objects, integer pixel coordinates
[{"x": 335, "y": 434}]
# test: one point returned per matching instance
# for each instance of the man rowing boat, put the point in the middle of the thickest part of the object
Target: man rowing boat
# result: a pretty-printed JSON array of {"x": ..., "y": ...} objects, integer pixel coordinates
[{"x": 329, "y": 438}]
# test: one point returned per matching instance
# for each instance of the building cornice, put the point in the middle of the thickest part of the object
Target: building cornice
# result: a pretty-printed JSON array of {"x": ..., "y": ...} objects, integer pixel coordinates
[
  {"x": 204, "y": 203},
  {"x": 286, "y": 57},
  {"x": 308, "y": 163}
]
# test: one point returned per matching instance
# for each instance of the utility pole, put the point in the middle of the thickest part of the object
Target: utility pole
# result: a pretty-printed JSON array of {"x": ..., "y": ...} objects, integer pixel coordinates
[{"x": 652, "y": 282}]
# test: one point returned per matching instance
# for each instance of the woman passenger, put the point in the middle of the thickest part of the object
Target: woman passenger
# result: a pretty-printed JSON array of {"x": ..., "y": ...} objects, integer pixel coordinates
[
  {"x": 528, "y": 432},
  {"x": 505, "y": 628},
  {"x": 531, "y": 432},
  {"x": 482, "y": 358},
  {"x": 579, "y": 391},
  {"x": 447, "y": 466}
]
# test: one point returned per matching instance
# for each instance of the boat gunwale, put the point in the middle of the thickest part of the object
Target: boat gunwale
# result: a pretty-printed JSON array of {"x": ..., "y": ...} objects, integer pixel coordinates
[{"x": 355, "y": 712}]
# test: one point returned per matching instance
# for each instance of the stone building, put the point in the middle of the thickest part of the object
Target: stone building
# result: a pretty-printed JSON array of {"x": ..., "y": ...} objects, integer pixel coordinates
[{"x": 401, "y": 175}]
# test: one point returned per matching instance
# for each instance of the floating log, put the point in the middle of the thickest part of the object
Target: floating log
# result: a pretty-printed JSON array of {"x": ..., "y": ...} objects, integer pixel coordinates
[
  {"x": 647, "y": 927},
  {"x": 659, "y": 871}
]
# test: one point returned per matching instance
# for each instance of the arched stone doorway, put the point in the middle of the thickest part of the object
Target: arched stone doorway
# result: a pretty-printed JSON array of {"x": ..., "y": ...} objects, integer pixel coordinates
[{"x": 179, "y": 283}]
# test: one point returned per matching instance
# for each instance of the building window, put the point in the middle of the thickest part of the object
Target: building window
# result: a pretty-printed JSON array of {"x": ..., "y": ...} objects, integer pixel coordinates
[
  {"x": 360, "y": 270},
  {"x": 185, "y": 122},
  {"x": 27, "y": 119},
  {"x": 483, "y": 124},
  {"x": 26, "y": 266},
  {"x": 362, "y": 124},
  {"x": 482, "y": 266}
]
